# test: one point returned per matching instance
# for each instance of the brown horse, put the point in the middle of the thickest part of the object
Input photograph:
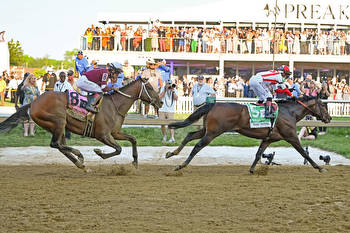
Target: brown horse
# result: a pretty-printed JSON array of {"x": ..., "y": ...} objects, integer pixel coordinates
[
  {"x": 49, "y": 112},
  {"x": 224, "y": 117}
]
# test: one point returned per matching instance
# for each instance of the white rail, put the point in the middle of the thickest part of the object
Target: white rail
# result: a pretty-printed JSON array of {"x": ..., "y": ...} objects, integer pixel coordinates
[{"x": 185, "y": 105}]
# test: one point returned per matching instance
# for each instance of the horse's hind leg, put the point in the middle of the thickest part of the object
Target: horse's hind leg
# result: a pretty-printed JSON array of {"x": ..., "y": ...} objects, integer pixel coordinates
[
  {"x": 123, "y": 136},
  {"x": 262, "y": 148},
  {"x": 190, "y": 136},
  {"x": 109, "y": 141},
  {"x": 201, "y": 144}
]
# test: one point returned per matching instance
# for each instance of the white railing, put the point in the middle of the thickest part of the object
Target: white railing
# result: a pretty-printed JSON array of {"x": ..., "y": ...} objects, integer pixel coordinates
[
  {"x": 184, "y": 104},
  {"x": 224, "y": 45}
]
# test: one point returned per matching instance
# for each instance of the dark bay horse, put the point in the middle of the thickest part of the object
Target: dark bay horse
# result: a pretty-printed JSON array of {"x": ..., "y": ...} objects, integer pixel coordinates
[
  {"x": 223, "y": 117},
  {"x": 49, "y": 112}
]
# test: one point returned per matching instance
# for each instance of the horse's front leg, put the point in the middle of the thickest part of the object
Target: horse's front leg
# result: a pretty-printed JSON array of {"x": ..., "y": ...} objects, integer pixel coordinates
[
  {"x": 262, "y": 148},
  {"x": 58, "y": 142},
  {"x": 190, "y": 136},
  {"x": 296, "y": 144},
  {"x": 123, "y": 136},
  {"x": 108, "y": 140}
]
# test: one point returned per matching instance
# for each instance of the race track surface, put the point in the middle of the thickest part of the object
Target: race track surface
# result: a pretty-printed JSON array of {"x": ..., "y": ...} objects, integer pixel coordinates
[{"x": 119, "y": 198}]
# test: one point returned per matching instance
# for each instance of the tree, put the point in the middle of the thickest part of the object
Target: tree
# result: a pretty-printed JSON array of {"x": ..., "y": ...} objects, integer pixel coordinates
[{"x": 16, "y": 53}]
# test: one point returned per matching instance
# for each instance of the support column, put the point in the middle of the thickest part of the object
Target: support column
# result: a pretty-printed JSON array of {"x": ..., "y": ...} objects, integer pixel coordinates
[
  {"x": 188, "y": 68},
  {"x": 318, "y": 74},
  {"x": 237, "y": 72},
  {"x": 171, "y": 68},
  {"x": 302, "y": 72},
  {"x": 221, "y": 67},
  {"x": 291, "y": 66},
  {"x": 253, "y": 69}
]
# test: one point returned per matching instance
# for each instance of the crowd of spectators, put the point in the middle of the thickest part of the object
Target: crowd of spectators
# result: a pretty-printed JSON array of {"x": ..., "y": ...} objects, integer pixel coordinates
[
  {"x": 217, "y": 40},
  {"x": 224, "y": 87},
  {"x": 239, "y": 88}
]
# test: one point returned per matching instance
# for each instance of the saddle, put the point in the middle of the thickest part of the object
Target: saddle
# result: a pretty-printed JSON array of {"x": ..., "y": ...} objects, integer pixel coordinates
[
  {"x": 257, "y": 116},
  {"x": 274, "y": 106},
  {"x": 77, "y": 110}
]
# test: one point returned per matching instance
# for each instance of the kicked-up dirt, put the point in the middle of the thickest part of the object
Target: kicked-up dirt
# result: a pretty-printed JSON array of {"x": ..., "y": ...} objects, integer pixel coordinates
[{"x": 112, "y": 198}]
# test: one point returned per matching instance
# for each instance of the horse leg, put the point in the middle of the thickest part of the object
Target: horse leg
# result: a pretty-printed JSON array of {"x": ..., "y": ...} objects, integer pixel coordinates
[
  {"x": 109, "y": 141},
  {"x": 66, "y": 150},
  {"x": 76, "y": 152},
  {"x": 262, "y": 148},
  {"x": 123, "y": 136},
  {"x": 190, "y": 136},
  {"x": 201, "y": 144},
  {"x": 296, "y": 144}
]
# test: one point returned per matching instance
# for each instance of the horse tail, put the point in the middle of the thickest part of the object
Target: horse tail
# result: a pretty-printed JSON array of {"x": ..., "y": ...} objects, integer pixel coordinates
[
  {"x": 15, "y": 119},
  {"x": 193, "y": 117}
]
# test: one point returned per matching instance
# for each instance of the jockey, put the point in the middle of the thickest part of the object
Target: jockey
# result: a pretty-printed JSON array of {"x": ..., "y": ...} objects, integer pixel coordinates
[
  {"x": 82, "y": 64},
  {"x": 95, "y": 81},
  {"x": 261, "y": 82}
]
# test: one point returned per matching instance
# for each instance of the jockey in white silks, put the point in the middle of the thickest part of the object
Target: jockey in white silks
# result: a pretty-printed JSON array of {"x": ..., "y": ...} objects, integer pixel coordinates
[{"x": 261, "y": 83}]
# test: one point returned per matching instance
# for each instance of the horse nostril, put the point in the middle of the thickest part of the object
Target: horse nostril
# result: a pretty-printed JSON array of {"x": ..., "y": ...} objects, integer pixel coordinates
[{"x": 161, "y": 102}]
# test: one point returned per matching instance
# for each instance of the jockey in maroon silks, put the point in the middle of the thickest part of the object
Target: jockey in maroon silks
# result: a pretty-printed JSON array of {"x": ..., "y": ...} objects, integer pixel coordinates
[
  {"x": 261, "y": 82},
  {"x": 95, "y": 81}
]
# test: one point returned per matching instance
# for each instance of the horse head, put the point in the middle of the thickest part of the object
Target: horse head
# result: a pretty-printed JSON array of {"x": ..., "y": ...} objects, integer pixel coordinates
[
  {"x": 318, "y": 109},
  {"x": 114, "y": 68},
  {"x": 148, "y": 94}
]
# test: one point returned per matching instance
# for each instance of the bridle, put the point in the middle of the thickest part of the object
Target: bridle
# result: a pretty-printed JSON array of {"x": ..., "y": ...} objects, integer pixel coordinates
[
  {"x": 318, "y": 115},
  {"x": 143, "y": 89}
]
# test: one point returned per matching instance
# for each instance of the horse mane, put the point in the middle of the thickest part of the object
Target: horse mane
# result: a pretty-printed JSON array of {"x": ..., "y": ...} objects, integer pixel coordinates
[
  {"x": 123, "y": 87},
  {"x": 302, "y": 99}
]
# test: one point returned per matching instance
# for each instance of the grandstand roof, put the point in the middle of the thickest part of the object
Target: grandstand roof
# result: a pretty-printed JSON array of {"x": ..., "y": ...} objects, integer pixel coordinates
[{"x": 298, "y": 11}]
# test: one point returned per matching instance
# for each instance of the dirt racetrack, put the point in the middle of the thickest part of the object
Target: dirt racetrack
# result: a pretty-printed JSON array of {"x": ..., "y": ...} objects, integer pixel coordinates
[{"x": 118, "y": 198}]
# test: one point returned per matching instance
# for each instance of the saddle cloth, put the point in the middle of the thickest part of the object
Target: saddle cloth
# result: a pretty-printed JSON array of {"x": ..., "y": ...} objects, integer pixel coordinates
[
  {"x": 257, "y": 116},
  {"x": 77, "y": 105}
]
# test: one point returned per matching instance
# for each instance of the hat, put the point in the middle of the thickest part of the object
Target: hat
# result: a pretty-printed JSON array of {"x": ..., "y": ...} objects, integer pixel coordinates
[
  {"x": 80, "y": 52},
  {"x": 70, "y": 73},
  {"x": 200, "y": 77},
  {"x": 116, "y": 65},
  {"x": 150, "y": 61}
]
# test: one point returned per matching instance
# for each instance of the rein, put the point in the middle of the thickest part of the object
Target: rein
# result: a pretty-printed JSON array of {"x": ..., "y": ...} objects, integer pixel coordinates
[
  {"x": 312, "y": 111},
  {"x": 143, "y": 87}
]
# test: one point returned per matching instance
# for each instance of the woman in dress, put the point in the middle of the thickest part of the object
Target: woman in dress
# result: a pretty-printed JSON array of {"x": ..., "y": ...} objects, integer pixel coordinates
[{"x": 31, "y": 92}]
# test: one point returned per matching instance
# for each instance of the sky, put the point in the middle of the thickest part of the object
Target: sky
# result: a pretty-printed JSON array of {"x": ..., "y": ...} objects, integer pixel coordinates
[{"x": 46, "y": 27}]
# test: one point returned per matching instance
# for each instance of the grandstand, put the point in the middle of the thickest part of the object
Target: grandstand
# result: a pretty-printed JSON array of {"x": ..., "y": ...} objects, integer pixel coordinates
[{"x": 320, "y": 16}]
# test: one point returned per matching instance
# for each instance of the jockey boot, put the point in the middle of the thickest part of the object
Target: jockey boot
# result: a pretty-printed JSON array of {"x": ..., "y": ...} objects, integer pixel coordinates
[
  {"x": 92, "y": 100},
  {"x": 268, "y": 109},
  {"x": 260, "y": 102}
]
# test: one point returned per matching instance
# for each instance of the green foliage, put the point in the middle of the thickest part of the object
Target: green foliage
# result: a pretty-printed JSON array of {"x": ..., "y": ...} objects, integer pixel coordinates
[
  {"x": 18, "y": 58},
  {"x": 39, "y": 72},
  {"x": 16, "y": 53}
]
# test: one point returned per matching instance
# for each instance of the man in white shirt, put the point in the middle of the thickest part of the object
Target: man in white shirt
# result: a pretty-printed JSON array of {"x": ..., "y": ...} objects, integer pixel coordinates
[
  {"x": 62, "y": 85},
  {"x": 168, "y": 94}
]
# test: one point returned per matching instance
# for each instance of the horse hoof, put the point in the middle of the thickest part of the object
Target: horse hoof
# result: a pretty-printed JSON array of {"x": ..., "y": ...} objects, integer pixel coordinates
[
  {"x": 323, "y": 170},
  {"x": 87, "y": 170},
  {"x": 98, "y": 151},
  {"x": 168, "y": 155},
  {"x": 136, "y": 165},
  {"x": 179, "y": 167},
  {"x": 251, "y": 171}
]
